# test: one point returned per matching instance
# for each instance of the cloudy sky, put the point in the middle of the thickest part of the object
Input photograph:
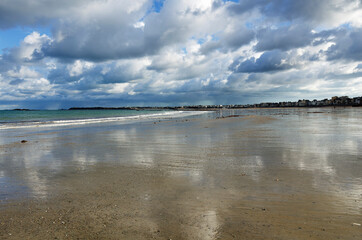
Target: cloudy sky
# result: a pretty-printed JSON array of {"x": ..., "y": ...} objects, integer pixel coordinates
[{"x": 57, "y": 54}]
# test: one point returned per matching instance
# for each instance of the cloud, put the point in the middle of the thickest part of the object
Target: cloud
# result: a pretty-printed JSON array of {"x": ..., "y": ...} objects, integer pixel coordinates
[
  {"x": 91, "y": 33},
  {"x": 86, "y": 75},
  {"x": 275, "y": 60},
  {"x": 30, "y": 12},
  {"x": 347, "y": 47},
  {"x": 30, "y": 49},
  {"x": 284, "y": 38},
  {"x": 330, "y": 12},
  {"x": 230, "y": 40},
  {"x": 101, "y": 30},
  {"x": 23, "y": 72},
  {"x": 135, "y": 52}
]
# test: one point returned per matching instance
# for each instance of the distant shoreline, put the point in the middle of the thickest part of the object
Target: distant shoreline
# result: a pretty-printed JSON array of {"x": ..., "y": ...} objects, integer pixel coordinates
[
  {"x": 336, "y": 101},
  {"x": 202, "y": 108}
]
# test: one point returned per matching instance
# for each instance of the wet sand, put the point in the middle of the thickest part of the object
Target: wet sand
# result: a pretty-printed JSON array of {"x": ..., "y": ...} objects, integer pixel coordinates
[{"x": 263, "y": 174}]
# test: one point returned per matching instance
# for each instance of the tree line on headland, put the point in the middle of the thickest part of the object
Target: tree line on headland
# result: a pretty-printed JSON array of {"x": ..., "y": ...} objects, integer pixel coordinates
[{"x": 333, "y": 102}]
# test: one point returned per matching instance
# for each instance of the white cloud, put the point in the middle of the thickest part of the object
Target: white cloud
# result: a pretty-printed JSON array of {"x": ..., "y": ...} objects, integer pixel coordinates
[
  {"x": 30, "y": 47},
  {"x": 78, "y": 67},
  {"x": 23, "y": 72}
]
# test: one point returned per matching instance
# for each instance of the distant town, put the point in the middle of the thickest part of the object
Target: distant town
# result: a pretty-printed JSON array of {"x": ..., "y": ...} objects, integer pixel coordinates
[
  {"x": 333, "y": 102},
  {"x": 336, "y": 101}
]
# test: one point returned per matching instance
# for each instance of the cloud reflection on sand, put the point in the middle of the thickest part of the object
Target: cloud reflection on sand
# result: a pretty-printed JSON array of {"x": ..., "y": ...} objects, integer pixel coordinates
[{"x": 325, "y": 146}]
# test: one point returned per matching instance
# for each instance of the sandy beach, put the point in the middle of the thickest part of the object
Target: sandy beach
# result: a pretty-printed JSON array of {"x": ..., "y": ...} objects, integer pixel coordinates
[{"x": 234, "y": 174}]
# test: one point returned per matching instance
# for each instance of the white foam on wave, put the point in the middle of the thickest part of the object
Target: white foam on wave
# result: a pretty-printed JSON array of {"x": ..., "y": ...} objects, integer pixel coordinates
[{"x": 60, "y": 123}]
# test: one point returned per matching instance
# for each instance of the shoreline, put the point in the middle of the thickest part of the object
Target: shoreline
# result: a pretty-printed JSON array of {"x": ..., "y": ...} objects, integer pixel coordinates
[
  {"x": 189, "y": 109},
  {"x": 89, "y": 120}
]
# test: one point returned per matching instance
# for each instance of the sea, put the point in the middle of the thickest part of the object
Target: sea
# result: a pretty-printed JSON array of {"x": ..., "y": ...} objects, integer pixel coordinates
[{"x": 12, "y": 119}]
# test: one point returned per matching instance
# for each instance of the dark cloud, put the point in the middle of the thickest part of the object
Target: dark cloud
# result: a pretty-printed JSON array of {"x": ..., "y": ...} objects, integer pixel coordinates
[
  {"x": 343, "y": 76},
  {"x": 121, "y": 35},
  {"x": 245, "y": 6},
  {"x": 229, "y": 41},
  {"x": 329, "y": 35},
  {"x": 120, "y": 75},
  {"x": 236, "y": 39},
  {"x": 5, "y": 64},
  {"x": 284, "y": 38},
  {"x": 307, "y": 10},
  {"x": 90, "y": 77},
  {"x": 269, "y": 61},
  {"x": 101, "y": 44},
  {"x": 347, "y": 47},
  {"x": 211, "y": 46},
  {"x": 60, "y": 75},
  {"x": 30, "y": 12},
  {"x": 93, "y": 30},
  {"x": 107, "y": 30},
  {"x": 16, "y": 81}
]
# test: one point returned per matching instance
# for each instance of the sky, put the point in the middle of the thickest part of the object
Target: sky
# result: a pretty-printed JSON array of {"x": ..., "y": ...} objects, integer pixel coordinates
[{"x": 82, "y": 53}]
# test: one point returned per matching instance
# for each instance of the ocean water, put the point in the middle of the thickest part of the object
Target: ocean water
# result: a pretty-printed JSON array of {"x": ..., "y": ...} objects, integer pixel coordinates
[{"x": 10, "y": 119}]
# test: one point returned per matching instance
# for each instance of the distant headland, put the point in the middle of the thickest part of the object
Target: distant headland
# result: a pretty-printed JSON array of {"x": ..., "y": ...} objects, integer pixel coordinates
[{"x": 343, "y": 101}]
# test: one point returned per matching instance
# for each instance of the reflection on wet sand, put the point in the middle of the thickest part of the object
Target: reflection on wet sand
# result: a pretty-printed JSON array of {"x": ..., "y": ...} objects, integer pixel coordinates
[{"x": 283, "y": 173}]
